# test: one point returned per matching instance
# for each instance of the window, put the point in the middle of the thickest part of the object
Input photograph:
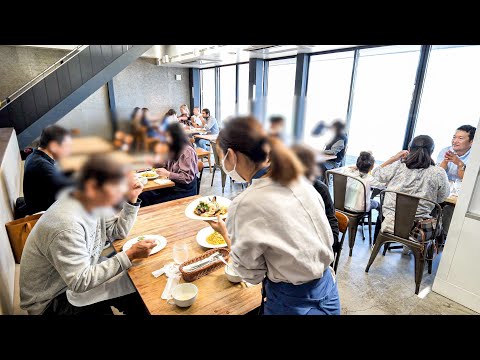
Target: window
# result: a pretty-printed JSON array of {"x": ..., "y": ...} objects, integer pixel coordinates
[
  {"x": 281, "y": 90},
  {"x": 243, "y": 75},
  {"x": 450, "y": 94},
  {"x": 228, "y": 80},
  {"x": 384, "y": 85},
  {"x": 328, "y": 91},
  {"x": 208, "y": 90}
]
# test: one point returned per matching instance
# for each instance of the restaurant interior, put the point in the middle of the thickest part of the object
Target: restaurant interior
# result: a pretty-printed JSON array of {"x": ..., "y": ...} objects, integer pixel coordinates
[{"x": 239, "y": 180}]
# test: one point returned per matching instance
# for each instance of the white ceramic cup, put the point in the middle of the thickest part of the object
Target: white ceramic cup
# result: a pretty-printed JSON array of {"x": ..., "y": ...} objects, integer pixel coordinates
[
  {"x": 232, "y": 276},
  {"x": 184, "y": 295}
]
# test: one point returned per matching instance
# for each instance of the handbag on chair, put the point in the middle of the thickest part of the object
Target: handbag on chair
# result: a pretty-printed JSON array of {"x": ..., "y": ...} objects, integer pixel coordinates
[
  {"x": 18, "y": 231},
  {"x": 425, "y": 230}
]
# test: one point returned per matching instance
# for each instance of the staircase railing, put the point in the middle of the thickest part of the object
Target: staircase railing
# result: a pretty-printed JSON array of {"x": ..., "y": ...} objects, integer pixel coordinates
[{"x": 42, "y": 75}]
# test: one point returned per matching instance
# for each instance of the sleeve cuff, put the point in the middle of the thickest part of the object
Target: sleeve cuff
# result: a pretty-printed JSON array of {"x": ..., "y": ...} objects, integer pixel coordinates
[
  {"x": 139, "y": 201},
  {"x": 124, "y": 261}
]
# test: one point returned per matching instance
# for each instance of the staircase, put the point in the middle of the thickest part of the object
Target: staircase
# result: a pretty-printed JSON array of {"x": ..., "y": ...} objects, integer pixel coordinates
[{"x": 63, "y": 86}]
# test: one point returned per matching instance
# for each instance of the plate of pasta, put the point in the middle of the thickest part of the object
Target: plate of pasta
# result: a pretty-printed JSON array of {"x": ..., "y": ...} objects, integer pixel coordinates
[
  {"x": 210, "y": 239},
  {"x": 208, "y": 208}
]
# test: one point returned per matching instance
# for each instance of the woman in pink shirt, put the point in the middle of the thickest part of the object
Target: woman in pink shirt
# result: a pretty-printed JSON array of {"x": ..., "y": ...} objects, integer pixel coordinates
[{"x": 181, "y": 166}]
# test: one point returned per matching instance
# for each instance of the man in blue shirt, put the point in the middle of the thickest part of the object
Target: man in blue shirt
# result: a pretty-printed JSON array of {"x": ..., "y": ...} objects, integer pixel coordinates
[
  {"x": 210, "y": 124},
  {"x": 454, "y": 158}
]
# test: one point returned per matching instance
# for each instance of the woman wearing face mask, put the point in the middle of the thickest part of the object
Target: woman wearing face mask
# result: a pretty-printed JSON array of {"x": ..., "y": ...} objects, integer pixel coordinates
[
  {"x": 276, "y": 229},
  {"x": 181, "y": 167}
]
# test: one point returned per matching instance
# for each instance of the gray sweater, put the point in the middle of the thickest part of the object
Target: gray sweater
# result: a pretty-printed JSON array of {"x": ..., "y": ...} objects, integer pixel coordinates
[{"x": 63, "y": 249}]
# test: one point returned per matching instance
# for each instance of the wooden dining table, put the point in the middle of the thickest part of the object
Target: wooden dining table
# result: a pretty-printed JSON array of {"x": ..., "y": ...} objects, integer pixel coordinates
[
  {"x": 75, "y": 162},
  {"x": 451, "y": 200},
  {"x": 87, "y": 145},
  {"x": 216, "y": 295},
  {"x": 152, "y": 185}
]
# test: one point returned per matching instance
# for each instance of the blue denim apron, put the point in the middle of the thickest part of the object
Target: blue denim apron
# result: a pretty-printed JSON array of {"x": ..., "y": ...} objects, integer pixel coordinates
[{"x": 317, "y": 297}]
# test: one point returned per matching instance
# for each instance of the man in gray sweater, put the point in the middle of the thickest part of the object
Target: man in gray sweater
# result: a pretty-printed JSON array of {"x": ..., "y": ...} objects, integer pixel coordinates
[{"x": 63, "y": 249}]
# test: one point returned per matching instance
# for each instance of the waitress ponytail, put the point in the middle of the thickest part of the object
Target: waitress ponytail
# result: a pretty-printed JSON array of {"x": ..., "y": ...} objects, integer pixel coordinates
[
  {"x": 284, "y": 165},
  {"x": 246, "y": 135}
]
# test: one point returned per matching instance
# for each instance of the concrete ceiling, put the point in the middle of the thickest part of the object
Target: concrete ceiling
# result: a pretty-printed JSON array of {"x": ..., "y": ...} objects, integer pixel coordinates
[{"x": 201, "y": 56}]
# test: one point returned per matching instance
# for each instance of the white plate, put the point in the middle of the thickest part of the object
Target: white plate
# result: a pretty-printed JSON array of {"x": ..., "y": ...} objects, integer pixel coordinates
[
  {"x": 150, "y": 177},
  {"x": 202, "y": 238},
  {"x": 161, "y": 243},
  {"x": 189, "y": 211}
]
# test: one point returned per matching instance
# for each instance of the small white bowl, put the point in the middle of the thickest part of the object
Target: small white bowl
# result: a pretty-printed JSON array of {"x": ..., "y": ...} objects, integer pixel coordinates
[
  {"x": 232, "y": 276},
  {"x": 184, "y": 294},
  {"x": 143, "y": 180}
]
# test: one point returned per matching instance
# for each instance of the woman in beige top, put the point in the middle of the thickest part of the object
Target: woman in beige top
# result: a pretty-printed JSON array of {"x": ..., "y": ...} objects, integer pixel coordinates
[{"x": 276, "y": 229}]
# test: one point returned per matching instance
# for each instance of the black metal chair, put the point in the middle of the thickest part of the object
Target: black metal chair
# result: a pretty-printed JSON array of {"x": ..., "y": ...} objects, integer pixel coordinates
[
  {"x": 405, "y": 214},
  {"x": 216, "y": 167},
  {"x": 374, "y": 192},
  {"x": 339, "y": 192}
]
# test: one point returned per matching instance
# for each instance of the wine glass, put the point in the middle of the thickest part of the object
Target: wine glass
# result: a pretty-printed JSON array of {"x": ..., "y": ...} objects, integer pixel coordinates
[{"x": 180, "y": 252}]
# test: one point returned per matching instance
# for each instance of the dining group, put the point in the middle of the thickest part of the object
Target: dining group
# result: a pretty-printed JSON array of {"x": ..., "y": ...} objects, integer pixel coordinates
[{"x": 62, "y": 270}]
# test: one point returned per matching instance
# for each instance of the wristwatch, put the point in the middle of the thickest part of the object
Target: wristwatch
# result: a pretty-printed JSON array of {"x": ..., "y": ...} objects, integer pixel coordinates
[{"x": 463, "y": 167}]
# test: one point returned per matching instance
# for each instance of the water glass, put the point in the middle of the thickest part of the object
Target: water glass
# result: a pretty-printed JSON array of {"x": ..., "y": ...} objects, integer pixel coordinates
[
  {"x": 457, "y": 186},
  {"x": 180, "y": 252}
]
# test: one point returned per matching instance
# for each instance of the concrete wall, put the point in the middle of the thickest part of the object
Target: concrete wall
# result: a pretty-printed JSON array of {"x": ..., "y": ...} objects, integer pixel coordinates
[
  {"x": 10, "y": 188},
  {"x": 92, "y": 116},
  {"x": 19, "y": 65},
  {"x": 144, "y": 84}
]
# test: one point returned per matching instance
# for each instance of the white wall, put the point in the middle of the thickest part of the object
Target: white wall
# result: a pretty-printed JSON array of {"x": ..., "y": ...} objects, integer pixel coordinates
[
  {"x": 458, "y": 275},
  {"x": 10, "y": 189}
]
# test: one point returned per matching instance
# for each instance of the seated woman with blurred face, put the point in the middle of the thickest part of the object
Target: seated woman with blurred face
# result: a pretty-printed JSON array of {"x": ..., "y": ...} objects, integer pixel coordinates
[
  {"x": 276, "y": 229},
  {"x": 184, "y": 117},
  {"x": 412, "y": 172},
  {"x": 354, "y": 197},
  {"x": 180, "y": 165}
]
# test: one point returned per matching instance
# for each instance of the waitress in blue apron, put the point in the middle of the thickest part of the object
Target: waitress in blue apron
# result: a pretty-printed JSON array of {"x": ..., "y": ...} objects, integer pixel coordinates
[{"x": 276, "y": 229}]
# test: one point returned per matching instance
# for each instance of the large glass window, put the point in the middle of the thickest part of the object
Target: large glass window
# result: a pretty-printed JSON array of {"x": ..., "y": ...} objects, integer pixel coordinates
[
  {"x": 451, "y": 93},
  {"x": 228, "y": 80},
  {"x": 243, "y": 75},
  {"x": 208, "y": 90},
  {"x": 328, "y": 91},
  {"x": 384, "y": 85},
  {"x": 281, "y": 90}
]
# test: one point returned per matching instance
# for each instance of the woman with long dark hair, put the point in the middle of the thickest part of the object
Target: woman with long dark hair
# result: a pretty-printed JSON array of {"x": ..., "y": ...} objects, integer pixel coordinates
[
  {"x": 181, "y": 167},
  {"x": 276, "y": 229},
  {"x": 413, "y": 172},
  {"x": 136, "y": 117}
]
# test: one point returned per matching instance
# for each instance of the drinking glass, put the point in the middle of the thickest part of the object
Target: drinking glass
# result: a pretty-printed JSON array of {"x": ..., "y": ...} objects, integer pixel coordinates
[
  {"x": 180, "y": 252},
  {"x": 457, "y": 186}
]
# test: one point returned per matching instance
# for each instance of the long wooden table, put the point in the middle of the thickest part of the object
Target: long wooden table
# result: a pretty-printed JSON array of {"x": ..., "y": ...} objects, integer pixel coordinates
[
  {"x": 451, "y": 200},
  {"x": 87, "y": 145},
  {"x": 74, "y": 163},
  {"x": 216, "y": 295}
]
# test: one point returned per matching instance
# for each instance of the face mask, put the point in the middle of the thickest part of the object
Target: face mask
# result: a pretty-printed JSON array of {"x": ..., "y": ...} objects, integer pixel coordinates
[{"x": 233, "y": 173}]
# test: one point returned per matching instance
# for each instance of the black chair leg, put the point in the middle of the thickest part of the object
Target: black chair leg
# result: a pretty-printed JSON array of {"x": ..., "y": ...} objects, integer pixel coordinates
[
  {"x": 385, "y": 248},
  {"x": 352, "y": 233},
  {"x": 370, "y": 227},
  {"x": 376, "y": 248},
  {"x": 337, "y": 260},
  {"x": 213, "y": 175},
  {"x": 419, "y": 265}
]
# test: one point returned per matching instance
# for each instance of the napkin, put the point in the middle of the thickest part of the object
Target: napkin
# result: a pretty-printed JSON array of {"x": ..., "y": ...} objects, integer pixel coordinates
[
  {"x": 174, "y": 275},
  {"x": 162, "y": 181}
]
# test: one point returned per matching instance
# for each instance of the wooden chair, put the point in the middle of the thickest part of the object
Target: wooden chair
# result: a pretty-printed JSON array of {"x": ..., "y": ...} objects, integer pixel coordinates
[
  {"x": 201, "y": 154},
  {"x": 342, "y": 227},
  {"x": 141, "y": 139},
  {"x": 200, "y": 173},
  {"x": 339, "y": 192},
  {"x": 405, "y": 210},
  {"x": 75, "y": 132}
]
